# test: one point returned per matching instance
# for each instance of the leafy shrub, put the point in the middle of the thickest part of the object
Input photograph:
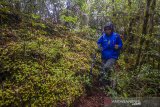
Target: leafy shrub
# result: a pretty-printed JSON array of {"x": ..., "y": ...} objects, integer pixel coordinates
[{"x": 41, "y": 71}]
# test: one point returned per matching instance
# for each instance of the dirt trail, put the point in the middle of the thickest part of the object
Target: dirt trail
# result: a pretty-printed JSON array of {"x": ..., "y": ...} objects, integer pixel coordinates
[{"x": 95, "y": 97}]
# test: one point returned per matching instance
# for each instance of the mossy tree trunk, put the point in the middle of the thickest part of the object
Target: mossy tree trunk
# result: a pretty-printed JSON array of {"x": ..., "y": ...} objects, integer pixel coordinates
[{"x": 144, "y": 31}]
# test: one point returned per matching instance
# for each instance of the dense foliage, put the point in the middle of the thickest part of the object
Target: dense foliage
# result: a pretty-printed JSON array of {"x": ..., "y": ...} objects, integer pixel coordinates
[
  {"x": 39, "y": 68},
  {"x": 46, "y": 48}
]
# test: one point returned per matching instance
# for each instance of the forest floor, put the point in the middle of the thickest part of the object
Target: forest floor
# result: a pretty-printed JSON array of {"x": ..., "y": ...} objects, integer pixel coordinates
[{"x": 95, "y": 97}]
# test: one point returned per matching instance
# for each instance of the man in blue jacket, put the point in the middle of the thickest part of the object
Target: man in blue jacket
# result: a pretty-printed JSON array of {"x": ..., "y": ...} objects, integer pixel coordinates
[{"x": 109, "y": 44}]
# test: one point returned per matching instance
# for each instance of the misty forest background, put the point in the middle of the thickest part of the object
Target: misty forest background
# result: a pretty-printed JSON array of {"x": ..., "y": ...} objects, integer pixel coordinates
[{"x": 46, "y": 48}]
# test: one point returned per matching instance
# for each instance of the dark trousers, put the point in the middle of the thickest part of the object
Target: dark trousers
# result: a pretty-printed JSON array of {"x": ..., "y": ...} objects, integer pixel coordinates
[{"x": 107, "y": 67}]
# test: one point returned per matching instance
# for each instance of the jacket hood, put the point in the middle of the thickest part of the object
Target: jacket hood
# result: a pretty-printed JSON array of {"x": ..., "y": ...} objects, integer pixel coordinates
[{"x": 110, "y": 26}]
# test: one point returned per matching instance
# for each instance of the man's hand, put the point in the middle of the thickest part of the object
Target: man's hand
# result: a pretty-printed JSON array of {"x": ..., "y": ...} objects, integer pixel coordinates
[{"x": 116, "y": 46}]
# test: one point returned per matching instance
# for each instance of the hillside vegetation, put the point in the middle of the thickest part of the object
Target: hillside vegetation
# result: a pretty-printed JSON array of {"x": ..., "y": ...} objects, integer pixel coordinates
[{"x": 44, "y": 62}]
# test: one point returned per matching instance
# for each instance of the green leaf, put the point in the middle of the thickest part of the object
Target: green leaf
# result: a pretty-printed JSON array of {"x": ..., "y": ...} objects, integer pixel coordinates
[{"x": 35, "y": 16}]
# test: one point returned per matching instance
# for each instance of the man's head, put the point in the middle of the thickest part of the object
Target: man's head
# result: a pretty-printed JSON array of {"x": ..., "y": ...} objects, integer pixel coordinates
[{"x": 108, "y": 28}]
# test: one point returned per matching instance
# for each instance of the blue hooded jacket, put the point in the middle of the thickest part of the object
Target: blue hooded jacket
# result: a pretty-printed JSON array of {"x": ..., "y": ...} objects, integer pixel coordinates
[{"x": 107, "y": 43}]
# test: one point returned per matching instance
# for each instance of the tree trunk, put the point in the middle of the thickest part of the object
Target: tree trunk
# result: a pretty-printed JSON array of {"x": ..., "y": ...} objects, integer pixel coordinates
[
  {"x": 113, "y": 9},
  {"x": 144, "y": 31},
  {"x": 150, "y": 31},
  {"x": 130, "y": 36}
]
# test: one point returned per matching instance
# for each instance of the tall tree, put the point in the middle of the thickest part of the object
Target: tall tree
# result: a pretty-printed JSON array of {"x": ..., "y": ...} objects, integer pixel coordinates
[{"x": 144, "y": 30}]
